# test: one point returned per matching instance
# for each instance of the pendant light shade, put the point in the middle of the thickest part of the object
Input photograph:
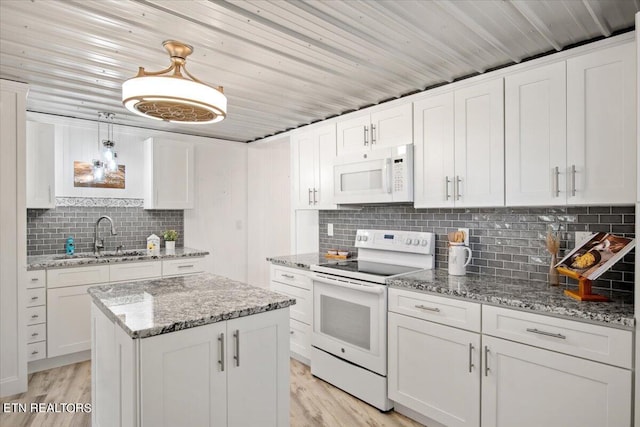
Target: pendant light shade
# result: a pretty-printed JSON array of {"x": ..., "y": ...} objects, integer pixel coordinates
[{"x": 174, "y": 97}]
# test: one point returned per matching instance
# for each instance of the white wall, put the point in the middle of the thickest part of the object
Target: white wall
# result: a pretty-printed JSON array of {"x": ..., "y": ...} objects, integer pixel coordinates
[{"x": 269, "y": 202}]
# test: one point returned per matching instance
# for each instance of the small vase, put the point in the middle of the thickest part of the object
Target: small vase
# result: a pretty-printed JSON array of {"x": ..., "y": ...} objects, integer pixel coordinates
[
  {"x": 554, "y": 279},
  {"x": 170, "y": 248}
]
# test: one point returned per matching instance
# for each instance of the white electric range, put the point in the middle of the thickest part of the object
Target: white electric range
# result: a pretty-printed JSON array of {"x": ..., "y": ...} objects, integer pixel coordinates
[{"x": 349, "y": 331}]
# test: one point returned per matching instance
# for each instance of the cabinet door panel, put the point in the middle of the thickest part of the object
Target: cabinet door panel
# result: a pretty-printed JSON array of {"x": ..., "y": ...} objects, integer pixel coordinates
[
  {"x": 535, "y": 136},
  {"x": 169, "y": 175},
  {"x": 40, "y": 165},
  {"x": 182, "y": 383},
  {"x": 353, "y": 135},
  {"x": 304, "y": 162},
  {"x": 601, "y": 126},
  {"x": 326, "y": 147},
  {"x": 434, "y": 139},
  {"x": 479, "y": 144},
  {"x": 530, "y": 387},
  {"x": 392, "y": 127},
  {"x": 68, "y": 320},
  {"x": 434, "y": 371}
]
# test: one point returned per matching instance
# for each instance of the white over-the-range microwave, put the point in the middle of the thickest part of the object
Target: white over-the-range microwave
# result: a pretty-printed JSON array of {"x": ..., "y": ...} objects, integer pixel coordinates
[{"x": 382, "y": 175}]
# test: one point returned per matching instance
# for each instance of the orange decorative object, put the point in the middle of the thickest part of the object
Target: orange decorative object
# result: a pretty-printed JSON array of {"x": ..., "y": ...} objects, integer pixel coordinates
[
  {"x": 336, "y": 256},
  {"x": 584, "y": 287}
]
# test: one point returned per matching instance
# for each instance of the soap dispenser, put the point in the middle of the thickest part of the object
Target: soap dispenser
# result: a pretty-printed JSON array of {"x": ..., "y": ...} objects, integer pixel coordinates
[{"x": 70, "y": 246}]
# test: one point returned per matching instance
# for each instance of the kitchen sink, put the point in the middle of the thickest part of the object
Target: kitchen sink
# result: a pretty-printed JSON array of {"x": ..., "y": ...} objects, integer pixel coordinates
[{"x": 107, "y": 254}]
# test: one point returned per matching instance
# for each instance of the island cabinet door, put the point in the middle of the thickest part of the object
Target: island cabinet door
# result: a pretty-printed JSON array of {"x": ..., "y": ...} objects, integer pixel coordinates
[
  {"x": 258, "y": 376},
  {"x": 183, "y": 378}
]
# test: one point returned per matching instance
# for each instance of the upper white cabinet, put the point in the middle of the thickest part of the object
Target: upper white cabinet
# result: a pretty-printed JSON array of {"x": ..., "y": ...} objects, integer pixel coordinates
[
  {"x": 601, "y": 126},
  {"x": 40, "y": 165},
  {"x": 312, "y": 155},
  {"x": 375, "y": 128},
  {"x": 169, "y": 174},
  {"x": 535, "y": 136},
  {"x": 459, "y": 143}
]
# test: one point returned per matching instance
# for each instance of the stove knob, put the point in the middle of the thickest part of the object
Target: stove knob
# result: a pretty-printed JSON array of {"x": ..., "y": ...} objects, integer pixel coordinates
[
  {"x": 424, "y": 243},
  {"x": 365, "y": 238},
  {"x": 358, "y": 238},
  {"x": 408, "y": 241},
  {"x": 416, "y": 242}
]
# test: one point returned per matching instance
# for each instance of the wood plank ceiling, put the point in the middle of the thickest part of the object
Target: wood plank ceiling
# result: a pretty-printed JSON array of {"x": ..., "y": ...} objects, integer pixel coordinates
[{"x": 283, "y": 64}]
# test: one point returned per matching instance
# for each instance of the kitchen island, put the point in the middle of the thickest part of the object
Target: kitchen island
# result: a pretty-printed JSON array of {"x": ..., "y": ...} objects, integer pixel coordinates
[{"x": 191, "y": 351}]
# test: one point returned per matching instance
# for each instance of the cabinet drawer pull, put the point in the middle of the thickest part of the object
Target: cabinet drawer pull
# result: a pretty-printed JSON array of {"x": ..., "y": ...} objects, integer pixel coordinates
[
  {"x": 221, "y": 360},
  {"x": 289, "y": 276},
  {"x": 471, "y": 365},
  {"x": 34, "y": 279},
  {"x": 34, "y": 316},
  {"x": 548, "y": 334},
  {"x": 291, "y": 332},
  {"x": 236, "y": 336},
  {"x": 457, "y": 187},
  {"x": 486, "y": 361},
  {"x": 34, "y": 298},
  {"x": 424, "y": 307},
  {"x": 34, "y": 352},
  {"x": 186, "y": 266},
  {"x": 35, "y": 334}
]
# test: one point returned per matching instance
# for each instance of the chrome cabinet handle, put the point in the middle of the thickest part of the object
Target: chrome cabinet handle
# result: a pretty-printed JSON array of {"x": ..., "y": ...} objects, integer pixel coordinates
[
  {"x": 221, "y": 360},
  {"x": 573, "y": 180},
  {"x": 315, "y": 191},
  {"x": 424, "y": 307},
  {"x": 447, "y": 181},
  {"x": 457, "y": 187},
  {"x": 35, "y": 334},
  {"x": 236, "y": 336},
  {"x": 471, "y": 365},
  {"x": 35, "y": 352},
  {"x": 289, "y": 276},
  {"x": 34, "y": 279},
  {"x": 34, "y": 298},
  {"x": 366, "y": 131},
  {"x": 556, "y": 182},
  {"x": 186, "y": 266},
  {"x": 34, "y": 316},
  {"x": 486, "y": 361},
  {"x": 373, "y": 134},
  {"x": 545, "y": 333}
]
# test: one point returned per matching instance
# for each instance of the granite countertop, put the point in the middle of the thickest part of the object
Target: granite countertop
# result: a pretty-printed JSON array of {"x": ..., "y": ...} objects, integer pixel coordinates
[
  {"x": 303, "y": 261},
  {"x": 153, "y": 307},
  {"x": 524, "y": 295},
  {"x": 40, "y": 262}
]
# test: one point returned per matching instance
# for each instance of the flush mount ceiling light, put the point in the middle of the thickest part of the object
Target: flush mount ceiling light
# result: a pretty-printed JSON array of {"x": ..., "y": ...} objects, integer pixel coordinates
[{"x": 174, "y": 97}]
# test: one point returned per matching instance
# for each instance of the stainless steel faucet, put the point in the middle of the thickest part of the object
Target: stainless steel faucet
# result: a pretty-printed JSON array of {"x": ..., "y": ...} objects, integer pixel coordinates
[{"x": 98, "y": 244}]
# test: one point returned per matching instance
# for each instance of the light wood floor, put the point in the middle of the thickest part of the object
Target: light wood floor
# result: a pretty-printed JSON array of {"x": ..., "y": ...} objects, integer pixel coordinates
[{"x": 314, "y": 403}]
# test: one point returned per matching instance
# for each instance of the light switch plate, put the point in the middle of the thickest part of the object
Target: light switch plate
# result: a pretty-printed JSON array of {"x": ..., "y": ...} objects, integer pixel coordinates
[
  {"x": 466, "y": 235},
  {"x": 581, "y": 236},
  {"x": 329, "y": 230}
]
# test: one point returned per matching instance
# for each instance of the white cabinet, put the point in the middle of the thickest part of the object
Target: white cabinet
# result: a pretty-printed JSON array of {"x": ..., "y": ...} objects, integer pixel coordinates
[
  {"x": 601, "y": 126},
  {"x": 231, "y": 373},
  {"x": 169, "y": 174},
  {"x": 312, "y": 154},
  {"x": 41, "y": 175},
  {"x": 68, "y": 314},
  {"x": 535, "y": 136},
  {"x": 434, "y": 369},
  {"x": 182, "y": 266},
  {"x": 36, "y": 315},
  {"x": 13, "y": 238},
  {"x": 127, "y": 271},
  {"x": 297, "y": 284},
  {"x": 531, "y": 387},
  {"x": 459, "y": 139},
  {"x": 377, "y": 127}
]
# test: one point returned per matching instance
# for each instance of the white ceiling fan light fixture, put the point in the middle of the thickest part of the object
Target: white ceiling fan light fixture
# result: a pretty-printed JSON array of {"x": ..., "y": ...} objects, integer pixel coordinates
[{"x": 174, "y": 97}]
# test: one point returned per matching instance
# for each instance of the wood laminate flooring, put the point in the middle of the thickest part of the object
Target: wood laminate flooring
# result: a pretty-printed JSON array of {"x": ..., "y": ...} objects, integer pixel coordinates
[{"x": 314, "y": 403}]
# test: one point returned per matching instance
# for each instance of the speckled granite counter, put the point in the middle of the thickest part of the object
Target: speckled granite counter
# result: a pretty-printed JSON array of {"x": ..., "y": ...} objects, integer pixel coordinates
[
  {"x": 41, "y": 262},
  {"x": 530, "y": 296},
  {"x": 303, "y": 261},
  {"x": 154, "y": 307}
]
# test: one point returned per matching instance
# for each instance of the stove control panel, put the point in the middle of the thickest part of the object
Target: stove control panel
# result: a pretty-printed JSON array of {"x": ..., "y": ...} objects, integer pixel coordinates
[{"x": 398, "y": 241}]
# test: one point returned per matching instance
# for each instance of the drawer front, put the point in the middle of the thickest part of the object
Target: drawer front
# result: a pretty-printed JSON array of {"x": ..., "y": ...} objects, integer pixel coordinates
[
  {"x": 291, "y": 276},
  {"x": 446, "y": 311},
  {"x": 134, "y": 271},
  {"x": 36, "y": 296},
  {"x": 595, "y": 342},
  {"x": 36, "y": 315},
  {"x": 36, "y": 351},
  {"x": 182, "y": 266},
  {"x": 77, "y": 276},
  {"x": 36, "y": 279},
  {"x": 301, "y": 310},
  {"x": 36, "y": 333},
  {"x": 300, "y": 338}
]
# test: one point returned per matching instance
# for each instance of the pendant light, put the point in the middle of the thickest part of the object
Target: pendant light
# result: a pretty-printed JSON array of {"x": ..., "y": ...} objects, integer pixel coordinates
[
  {"x": 174, "y": 97},
  {"x": 109, "y": 158}
]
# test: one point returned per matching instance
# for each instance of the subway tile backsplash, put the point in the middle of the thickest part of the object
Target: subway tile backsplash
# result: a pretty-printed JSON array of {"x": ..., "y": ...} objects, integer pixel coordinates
[
  {"x": 505, "y": 241},
  {"x": 48, "y": 229}
]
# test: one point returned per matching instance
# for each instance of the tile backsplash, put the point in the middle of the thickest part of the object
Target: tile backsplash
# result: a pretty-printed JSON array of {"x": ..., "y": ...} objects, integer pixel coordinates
[
  {"x": 48, "y": 229},
  {"x": 505, "y": 241}
]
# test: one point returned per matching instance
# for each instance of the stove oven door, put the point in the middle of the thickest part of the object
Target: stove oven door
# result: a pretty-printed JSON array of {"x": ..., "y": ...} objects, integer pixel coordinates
[{"x": 350, "y": 321}]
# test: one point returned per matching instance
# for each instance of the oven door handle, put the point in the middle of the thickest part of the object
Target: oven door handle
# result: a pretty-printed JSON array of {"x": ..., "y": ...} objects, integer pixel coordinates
[{"x": 350, "y": 285}]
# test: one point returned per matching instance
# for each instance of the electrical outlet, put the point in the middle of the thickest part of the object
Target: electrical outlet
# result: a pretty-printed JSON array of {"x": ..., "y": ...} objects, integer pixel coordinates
[
  {"x": 329, "y": 230},
  {"x": 466, "y": 235},
  {"x": 581, "y": 236}
]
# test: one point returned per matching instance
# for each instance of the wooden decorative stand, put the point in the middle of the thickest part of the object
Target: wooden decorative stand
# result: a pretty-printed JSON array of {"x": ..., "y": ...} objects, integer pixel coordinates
[{"x": 584, "y": 287}]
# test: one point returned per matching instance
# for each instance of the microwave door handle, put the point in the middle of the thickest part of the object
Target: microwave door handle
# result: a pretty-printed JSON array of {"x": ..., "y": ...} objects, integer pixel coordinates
[{"x": 386, "y": 172}]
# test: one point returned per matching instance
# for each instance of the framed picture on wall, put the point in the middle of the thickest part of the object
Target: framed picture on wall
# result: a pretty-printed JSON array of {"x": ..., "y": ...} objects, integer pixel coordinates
[{"x": 84, "y": 176}]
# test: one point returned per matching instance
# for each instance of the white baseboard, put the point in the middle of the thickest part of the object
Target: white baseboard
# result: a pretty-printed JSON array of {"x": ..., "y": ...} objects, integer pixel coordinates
[
  {"x": 416, "y": 416},
  {"x": 56, "y": 362}
]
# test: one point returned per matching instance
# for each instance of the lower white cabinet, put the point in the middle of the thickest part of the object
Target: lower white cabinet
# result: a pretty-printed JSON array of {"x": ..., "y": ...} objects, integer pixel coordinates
[
  {"x": 68, "y": 314},
  {"x": 526, "y": 386},
  {"x": 231, "y": 373},
  {"x": 435, "y": 370}
]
